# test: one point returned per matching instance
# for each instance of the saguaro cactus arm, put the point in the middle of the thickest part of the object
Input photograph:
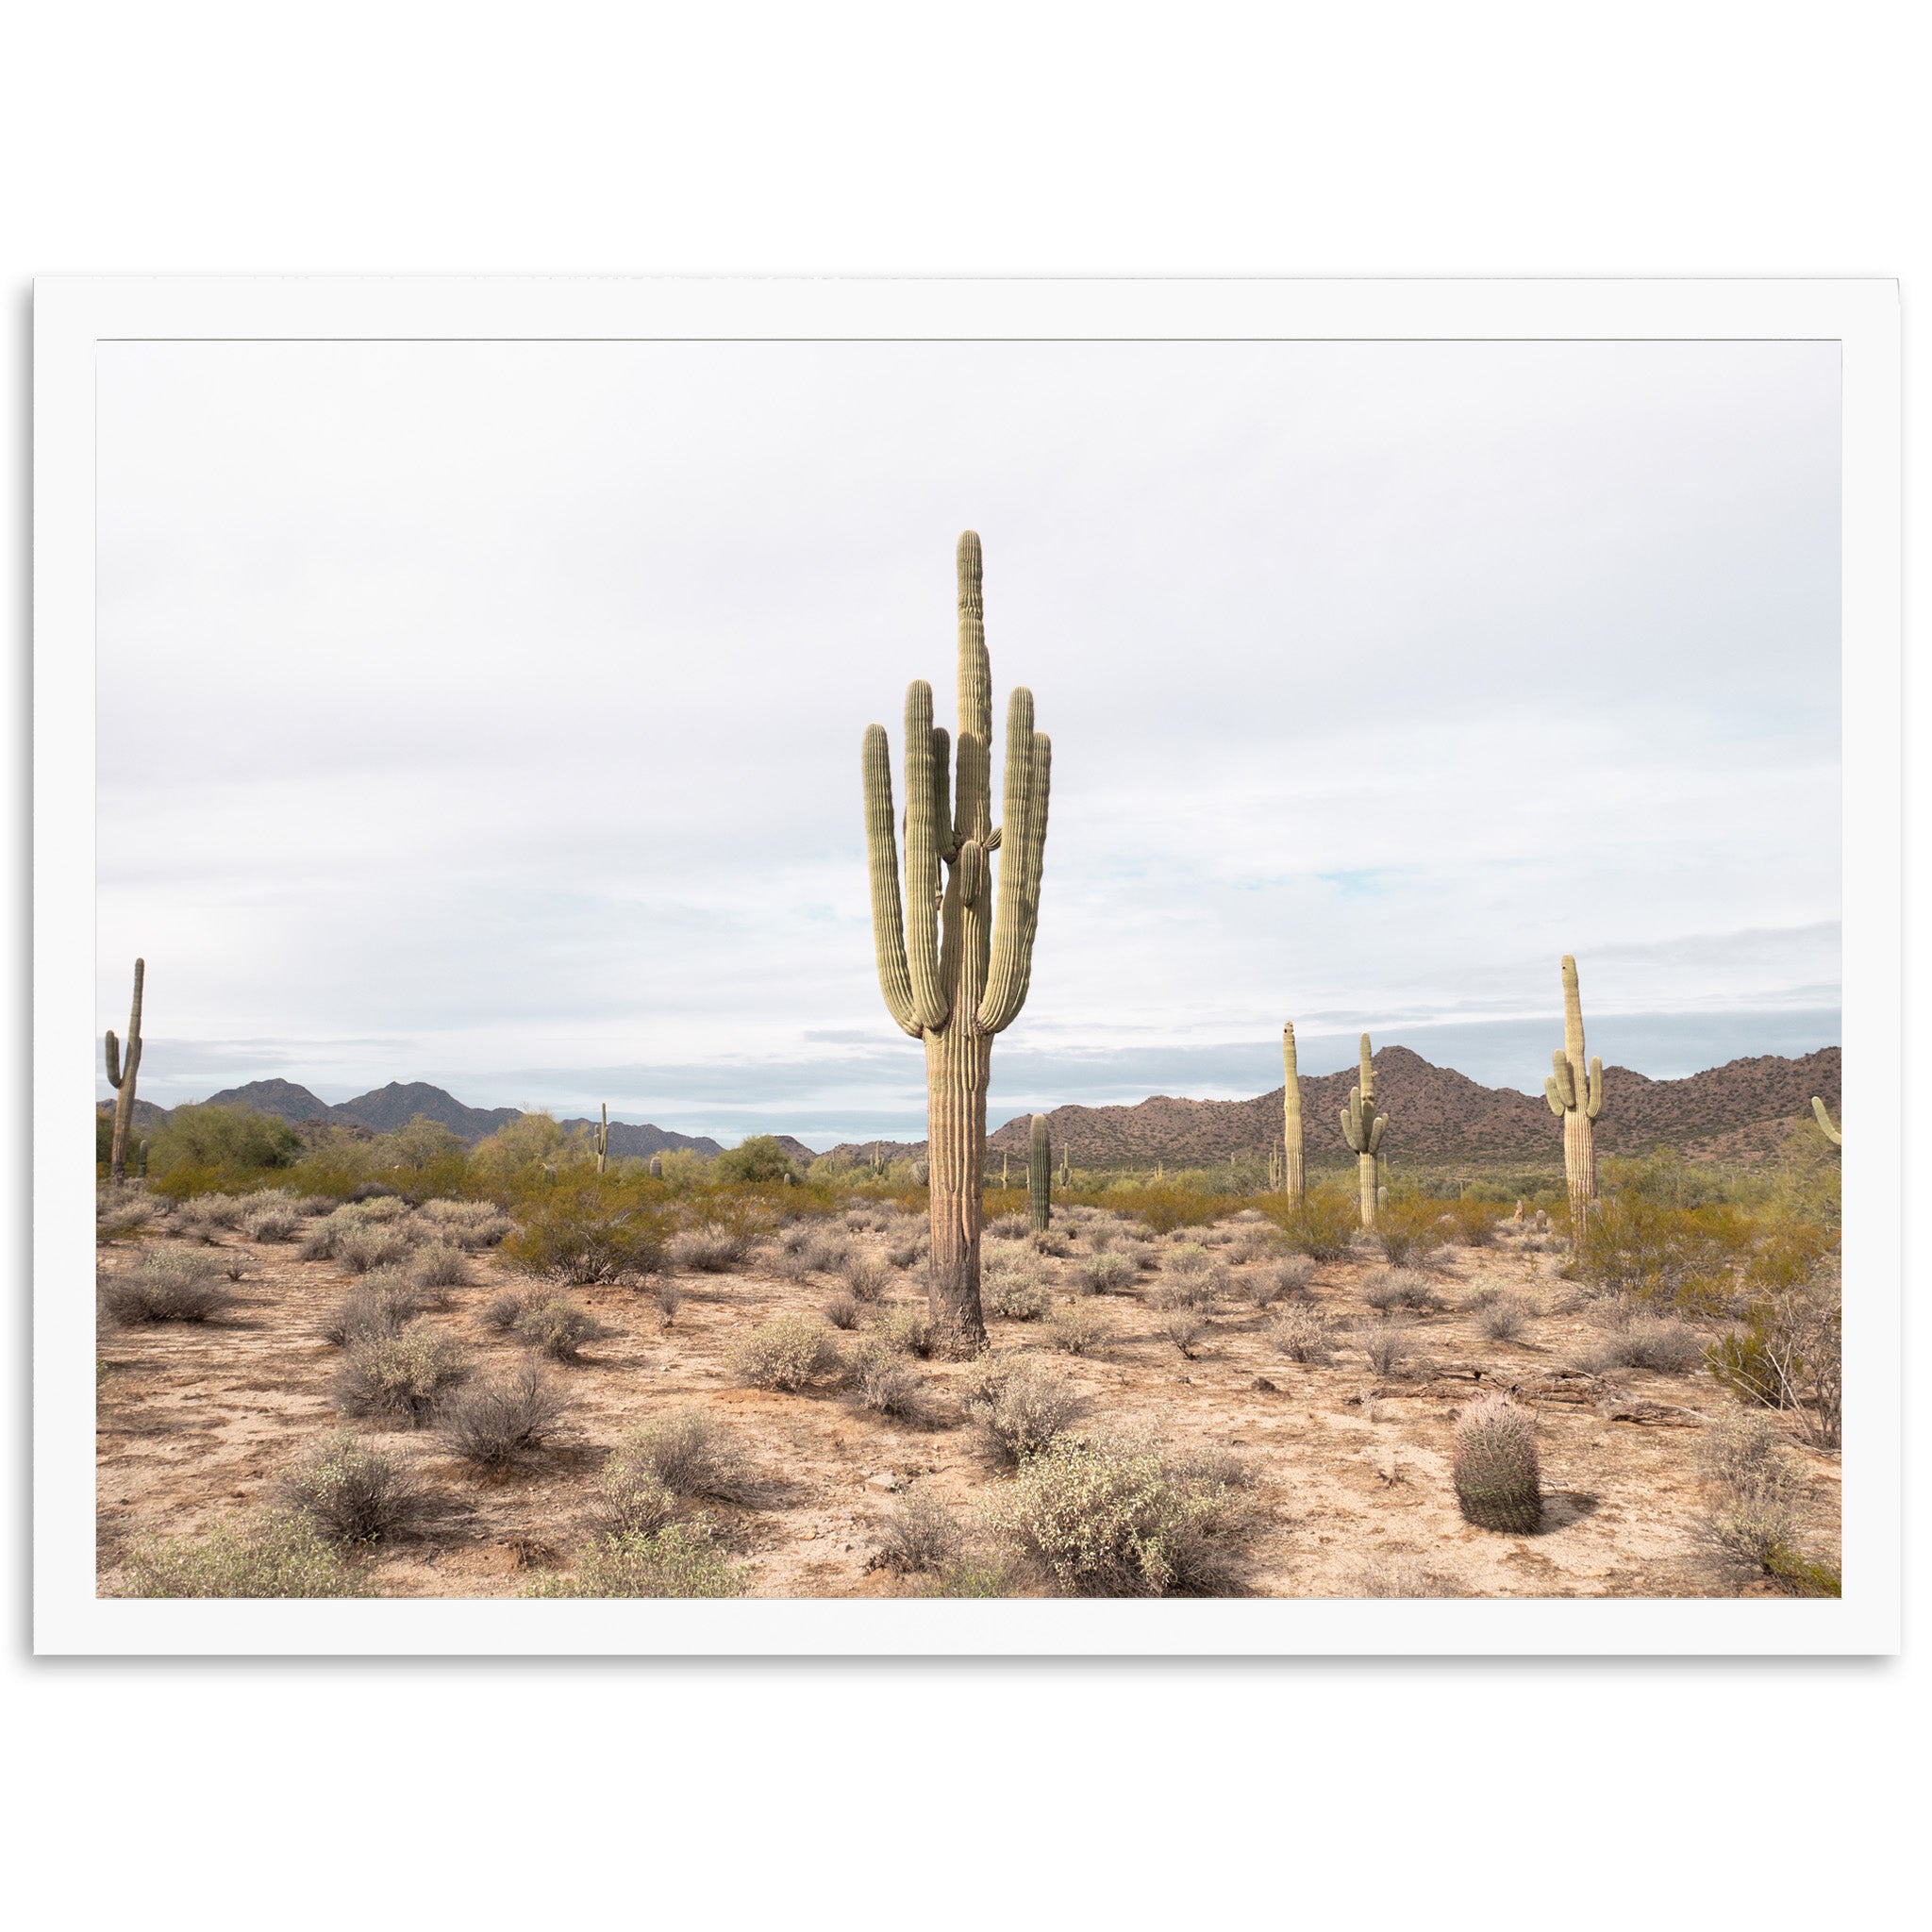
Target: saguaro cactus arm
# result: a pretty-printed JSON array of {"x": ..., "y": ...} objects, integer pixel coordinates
[
  {"x": 114, "y": 1059},
  {"x": 1022, "y": 834},
  {"x": 1835, "y": 1135},
  {"x": 882, "y": 861}
]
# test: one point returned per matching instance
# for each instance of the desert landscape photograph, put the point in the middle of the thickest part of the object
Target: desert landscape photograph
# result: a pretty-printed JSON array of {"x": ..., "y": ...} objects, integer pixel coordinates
[{"x": 988, "y": 970}]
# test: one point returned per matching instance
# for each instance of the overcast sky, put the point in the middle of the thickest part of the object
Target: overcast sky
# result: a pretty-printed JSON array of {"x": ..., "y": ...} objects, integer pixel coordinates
[{"x": 490, "y": 714}]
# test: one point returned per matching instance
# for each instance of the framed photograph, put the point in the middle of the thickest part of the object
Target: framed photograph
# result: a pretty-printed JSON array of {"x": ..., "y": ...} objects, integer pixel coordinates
[{"x": 989, "y": 967}]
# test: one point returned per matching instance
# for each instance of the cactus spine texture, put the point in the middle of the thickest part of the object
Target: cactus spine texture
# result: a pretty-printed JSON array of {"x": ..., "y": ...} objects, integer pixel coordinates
[
  {"x": 1362, "y": 1127},
  {"x": 600, "y": 1134},
  {"x": 1835, "y": 1135},
  {"x": 953, "y": 965},
  {"x": 1497, "y": 1479},
  {"x": 1040, "y": 1175},
  {"x": 121, "y": 1078},
  {"x": 1576, "y": 1093},
  {"x": 1293, "y": 1175}
]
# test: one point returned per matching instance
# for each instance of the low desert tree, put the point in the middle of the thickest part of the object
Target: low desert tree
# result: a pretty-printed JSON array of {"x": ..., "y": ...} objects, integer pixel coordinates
[
  {"x": 758, "y": 1158},
  {"x": 211, "y": 1146}
]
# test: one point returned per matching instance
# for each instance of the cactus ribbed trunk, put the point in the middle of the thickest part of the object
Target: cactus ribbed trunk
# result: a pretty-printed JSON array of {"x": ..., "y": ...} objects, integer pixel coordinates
[
  {"x": 1362, "y": 1127},
  {"x": 120, "y": 1077},
  {"x": 1294, "y": 1175},
  {"x": 1576, "y": 1093},
  {"x": 955, "y": 959},
  {"x": 1040, "y": 1175},
  {"x": 957, "y": 1063}
]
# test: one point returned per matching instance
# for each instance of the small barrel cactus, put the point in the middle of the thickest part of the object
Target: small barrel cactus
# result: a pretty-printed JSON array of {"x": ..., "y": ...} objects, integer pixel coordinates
[
  {"x": 1040, "y": 1174},
  {"x": 1497, "y": 1482},
  {"x": 656, "y": 1167}
]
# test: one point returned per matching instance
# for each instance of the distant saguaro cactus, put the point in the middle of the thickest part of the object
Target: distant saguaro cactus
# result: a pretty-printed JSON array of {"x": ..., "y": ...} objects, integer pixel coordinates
[
  {"x": 1576, "y": 1093},
  {"x": 656, "y": 1167},
  {"x": 121, "y": 1078},
  {"x": 955, "y": 968},
  {"x": 1362, "y": 1127},
  {"x": 600, "y": 1134},
  {"x": 1040, "y": 1174},
  {"x": 1497, "y": 1479},
  {"x": 1835, "y": 1135},
  {"x": 1294, "y": 1183}
]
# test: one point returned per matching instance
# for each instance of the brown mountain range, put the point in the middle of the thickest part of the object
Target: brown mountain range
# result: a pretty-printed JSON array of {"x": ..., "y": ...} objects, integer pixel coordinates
[{"x": 1438, "y": 1115}]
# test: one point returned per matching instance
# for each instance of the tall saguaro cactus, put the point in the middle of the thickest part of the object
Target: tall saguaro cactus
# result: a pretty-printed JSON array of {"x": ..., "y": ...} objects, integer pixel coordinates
[
  {"x": 121, "y": 1071},
  {"x": 1295, "y": 1182},
  {"x": 1040, "y": 1174},
  {"x": 955, "y": 967},
  {"x": 1835, "y": 1135},
  {"x": 1362, "y": 1127},
  {"x": 600, "y": 1134},
  {"x": 1576, "y": 1093}
]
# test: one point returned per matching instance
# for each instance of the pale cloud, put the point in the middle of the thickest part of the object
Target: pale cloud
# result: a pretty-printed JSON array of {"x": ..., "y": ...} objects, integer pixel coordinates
[{"x": 469, "y": 712}]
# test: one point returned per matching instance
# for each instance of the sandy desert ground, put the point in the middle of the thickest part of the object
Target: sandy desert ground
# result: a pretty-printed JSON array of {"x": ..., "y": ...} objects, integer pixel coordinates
[{"x": 1351, "y": 1491}]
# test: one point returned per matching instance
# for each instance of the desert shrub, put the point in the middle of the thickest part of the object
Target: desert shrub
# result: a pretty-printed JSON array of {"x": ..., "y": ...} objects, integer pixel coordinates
[
  {"x": 275, "y": 1554},
  {"x": 842, "y": 1311},
  {"x": 631, "y": 1501},
  {"x": 1192, "y": 1275},
  {"x": 404, "y": 1376},
  {"x": 1387, "y": 1344},
  {"x": 1789, "y": 1355},
  {"x": 906, "y": 1250},
  {"x": 470, "y": 1225},
  {"x": 1109, "y": 1271},
  {"x": 221, "y": 1211},
  {"x": 1008, "y": 1227},
  {"x": 1752, "y": 1517},
  {"x": 1079, "y": 1328},
  {"x": 357, "y": 1494},
  {"x": 882, "y": 1379},
  {"x": 1407, "y": 1229},
  {"x": 824, "y": 1253},
  {"x": 919, "y": 1534},
  {"x": 1400, "y": 1288},
  {"x": 1383, "y": 1576},
  {"x": 970, "y": 1576},
  {"x": 440, "y": 1264},
  {"x": 171, "y": 1285},
  {"x": 308, "y": 1206},
  {"x": 1050, "y": 1241},
  {"x": 1018, "y": 1298},
  {"x": 692, "y": 1453},
  {"x": 1498, "y": 1483},
  {"x": 587, "y": 1231},
  {"x": 1112, "y": 1518},
  {"x": 906, "y": 1328},
  {"x": 1649, "y": 1250},
  {"x": 1471, "y": 1223},
  {"x": 272, "y": 1225},
  {"x": 1181, "y": 1322},
  {"x": 1301, "y": 1334},
  {"x": 709, "y": 1249},
  {"x": 681, "y": 1560},
  {"x": 1642, "y": 1341},
  {"x": 375, "y": 1245},
  {"x": 384, "y": 1302},
  {"x": 1254, "y": 1243},
  {"x": 558, "y": 1327},
  {"x": 785, "y": 1353},
  {"x": 118, "y": 1222},
  {"x": 1322, "y": 1227},
  {"x": 865, "y": 1276},
  {"x": 496, "y": 1421},
  {"x": 1161, "y": 1208},
  {"x": 1504, "y": 1319},
  {"x": 1020, "y": 1406}
]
